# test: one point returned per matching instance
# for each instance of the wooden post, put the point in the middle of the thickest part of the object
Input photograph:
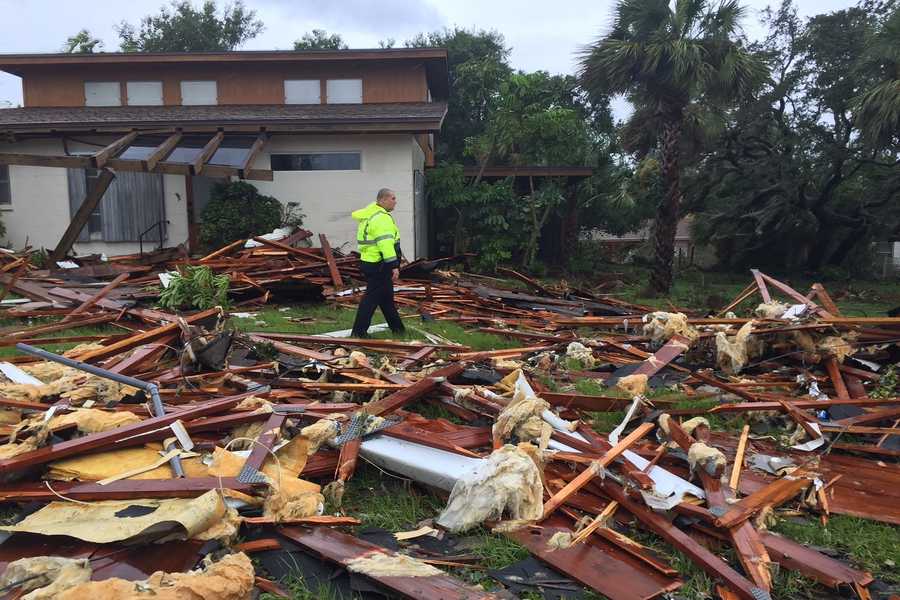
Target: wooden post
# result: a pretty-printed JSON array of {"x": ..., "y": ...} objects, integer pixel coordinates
[{"x": 82, "y": 215}]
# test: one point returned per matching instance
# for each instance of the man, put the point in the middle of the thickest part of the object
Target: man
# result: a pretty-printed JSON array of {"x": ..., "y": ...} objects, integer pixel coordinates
[{"x": 379, "y": 251}]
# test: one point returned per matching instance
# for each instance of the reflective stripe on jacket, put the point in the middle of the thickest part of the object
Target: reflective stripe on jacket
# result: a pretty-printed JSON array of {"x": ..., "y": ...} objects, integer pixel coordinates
[{"x": 376, "y": 235}]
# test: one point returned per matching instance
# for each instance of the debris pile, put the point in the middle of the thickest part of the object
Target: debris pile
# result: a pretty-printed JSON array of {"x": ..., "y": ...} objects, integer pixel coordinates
[{"x": 158, "y": 460}]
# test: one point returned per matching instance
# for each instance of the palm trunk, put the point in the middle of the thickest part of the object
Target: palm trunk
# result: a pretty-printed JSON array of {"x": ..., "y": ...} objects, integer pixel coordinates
[{"x": 667, "y": 213}]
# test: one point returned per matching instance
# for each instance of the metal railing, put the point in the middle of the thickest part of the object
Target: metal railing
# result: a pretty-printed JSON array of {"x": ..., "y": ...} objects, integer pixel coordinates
[{"x": 159, "y": 226}]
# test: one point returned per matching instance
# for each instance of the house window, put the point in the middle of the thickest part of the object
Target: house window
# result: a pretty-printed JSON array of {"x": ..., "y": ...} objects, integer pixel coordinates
[
  {"x": 102, "y": 93},
  {"x": 344, "y": 91},
  {"x": 95, "y": 221},
  {"x": 302, "y": 91},
  {"x": 144, "y": 93},
  {"x": 5, "y": 192},
  {"x": 199, "y": 93},
  {"x": 324, "y": 161}
]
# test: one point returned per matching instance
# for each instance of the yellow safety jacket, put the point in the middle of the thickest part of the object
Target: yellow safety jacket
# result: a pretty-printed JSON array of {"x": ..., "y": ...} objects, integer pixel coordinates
[{"x": 377, "y": 235}]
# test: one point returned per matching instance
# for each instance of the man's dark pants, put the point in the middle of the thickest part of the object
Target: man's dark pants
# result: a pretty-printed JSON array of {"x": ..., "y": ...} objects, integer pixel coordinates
[{"x": 379, "y": 294}]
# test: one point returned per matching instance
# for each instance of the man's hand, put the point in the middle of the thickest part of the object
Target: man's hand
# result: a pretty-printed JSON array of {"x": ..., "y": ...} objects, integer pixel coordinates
[{"x": 395, "y": 275}]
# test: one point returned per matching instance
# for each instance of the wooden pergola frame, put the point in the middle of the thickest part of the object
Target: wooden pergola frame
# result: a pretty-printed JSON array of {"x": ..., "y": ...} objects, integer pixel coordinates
[{"x": 105, "y": 160}]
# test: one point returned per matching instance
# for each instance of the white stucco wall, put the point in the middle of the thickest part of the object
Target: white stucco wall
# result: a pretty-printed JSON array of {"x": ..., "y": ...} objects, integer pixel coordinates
[
  {"x": 39, "y": 213},
  {"x": 328, "y": 197}
]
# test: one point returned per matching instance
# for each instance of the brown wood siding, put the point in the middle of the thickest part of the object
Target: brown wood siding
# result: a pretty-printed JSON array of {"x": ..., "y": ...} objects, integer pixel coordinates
[{"x": 399, "y": 81}]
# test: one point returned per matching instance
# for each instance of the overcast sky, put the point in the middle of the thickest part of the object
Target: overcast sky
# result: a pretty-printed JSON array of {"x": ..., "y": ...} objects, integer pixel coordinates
[{"x": 541, "y": 35}]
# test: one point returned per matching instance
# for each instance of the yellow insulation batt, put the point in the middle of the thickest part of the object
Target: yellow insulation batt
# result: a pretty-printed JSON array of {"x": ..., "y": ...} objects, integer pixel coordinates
[
  {"x": 380, "y": 564},
  {"x": 508, "y": 482},
  {"x": 660, "y": 326},
  {"x": 232, "y": 578},
  {"x": 126, "y": 520},
  {"x": 770, "y": 310},
  {"x": 732, "y": 353},
  {"x": 709, "y": 458},
  {"x": 634, "y": 385},
  {"x": 45, "y": 577}
]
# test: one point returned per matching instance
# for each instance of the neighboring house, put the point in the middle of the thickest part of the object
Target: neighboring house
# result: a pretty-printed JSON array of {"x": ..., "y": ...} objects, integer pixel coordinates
[
  {"x": 684, "y": 245},
  {"x": 326, "y": 129}
]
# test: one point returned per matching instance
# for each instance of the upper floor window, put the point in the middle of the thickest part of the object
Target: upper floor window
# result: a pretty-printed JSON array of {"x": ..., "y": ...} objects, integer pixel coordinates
[
  {"x": 102, "y": 93},
  {"x": 144, "y": 93},
  {"x": 197, "y": 93},
  {"x": 344, "y": 91},
  {"x": 302, "y": 91},
  {"x": 5, "y": 191},
  {"x": 322, "y": 161}
]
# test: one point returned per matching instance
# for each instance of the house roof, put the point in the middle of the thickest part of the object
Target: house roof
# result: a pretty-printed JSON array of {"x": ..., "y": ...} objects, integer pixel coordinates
[
  {"x": 311, "y": 118},
  {"x": 435, "y": 60}
]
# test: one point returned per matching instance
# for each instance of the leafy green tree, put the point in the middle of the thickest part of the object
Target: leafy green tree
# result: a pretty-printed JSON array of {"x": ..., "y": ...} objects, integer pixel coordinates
[
  {"x": 483, "y": 221},
  {"x": 184, "y": 28},
  {"x": 82, "y": 43},
  {"x": 478, "y": 62},
  {"x": 318, "y": 39},
  {"x": 236, "y": 210},
  {"x": 793, "y": 182},
  {"x": 671, "y": 59}
]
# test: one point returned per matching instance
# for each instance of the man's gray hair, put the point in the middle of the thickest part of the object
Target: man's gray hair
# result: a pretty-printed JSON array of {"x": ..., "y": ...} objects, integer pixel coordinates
[{"x": 384, "y": 192}]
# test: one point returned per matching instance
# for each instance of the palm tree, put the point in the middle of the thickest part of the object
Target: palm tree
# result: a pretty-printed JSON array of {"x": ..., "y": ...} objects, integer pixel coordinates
[
  {"x": 671, "y": 59},
  {"x": 878, "y": 108}
]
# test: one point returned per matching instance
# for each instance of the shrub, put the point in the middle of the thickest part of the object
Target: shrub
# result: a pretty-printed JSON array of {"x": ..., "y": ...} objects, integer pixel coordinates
[
  {"x": 237, "y": 210},
  {"x": 195, "y": 287}
]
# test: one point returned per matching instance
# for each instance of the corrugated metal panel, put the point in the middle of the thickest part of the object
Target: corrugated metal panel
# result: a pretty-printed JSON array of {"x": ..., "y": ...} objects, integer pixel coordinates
[
  {"x": 77, "y": 191},
  {"x": 133, "y": 204}
]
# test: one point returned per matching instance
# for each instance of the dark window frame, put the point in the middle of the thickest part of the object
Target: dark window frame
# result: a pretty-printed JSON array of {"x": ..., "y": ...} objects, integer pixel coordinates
[
  {"x": 5, "y": 186},
  {"x": 317, "y": 161}
]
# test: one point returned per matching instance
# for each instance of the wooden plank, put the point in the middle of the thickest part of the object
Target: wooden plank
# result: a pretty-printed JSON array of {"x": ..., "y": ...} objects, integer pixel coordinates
[
  {"x": 223, "y": 250},
  {"x": 290, "y": 249},
  {"x": 258, "y": 144},
  {"x": 329, "y": 258},
  {"x": 774, "y": 494},
  {"x": 143, "y": 338},
  {"x": 712, "y": 564},
  {"x": 834, "y": 372},
  {"x": 40, "y": 160},
  {"x": 342, "y": 548},
  {"x": 162, "y": 151},
  {"x": 745, "y": 539},
  {"x": 603, "y": 567},
  {"x": 739, "y": 459},
  {"x": 761, "y": 284},
  {"x": 398, "y": 399},
  {"x": 82, "y": 215},
  {"x": 87, "y": 304},
  {"x": 594, "y": 469},
  {"x": 126, "y": 489},
  {"x": 669, "y": 352},
  {"x": 102, "y": 156},
  {"x": 209, "y": 149},
  {"x": 292, "y": 350}
]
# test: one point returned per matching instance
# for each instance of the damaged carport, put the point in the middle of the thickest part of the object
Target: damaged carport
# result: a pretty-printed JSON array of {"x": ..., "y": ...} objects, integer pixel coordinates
[{"x": 151, "y": 151}]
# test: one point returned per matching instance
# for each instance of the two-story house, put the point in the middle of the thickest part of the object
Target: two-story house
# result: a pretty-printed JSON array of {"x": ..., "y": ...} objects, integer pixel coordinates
[{"x": 325, "y": 129}]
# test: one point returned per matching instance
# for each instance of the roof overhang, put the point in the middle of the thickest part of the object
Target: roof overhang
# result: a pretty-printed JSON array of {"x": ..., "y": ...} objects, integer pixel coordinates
[{"x": 418, "y": 117}]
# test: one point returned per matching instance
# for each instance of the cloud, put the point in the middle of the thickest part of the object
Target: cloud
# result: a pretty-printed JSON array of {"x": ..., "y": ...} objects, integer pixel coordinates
[{"x": 382, "y": 18}]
